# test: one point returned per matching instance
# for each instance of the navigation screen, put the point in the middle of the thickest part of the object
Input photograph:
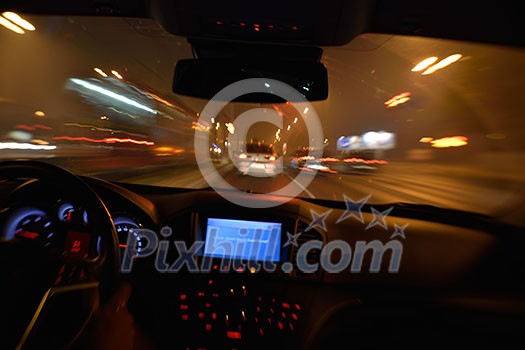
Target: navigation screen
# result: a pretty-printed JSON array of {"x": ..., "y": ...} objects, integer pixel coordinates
[{"x": 243, "y": 240}]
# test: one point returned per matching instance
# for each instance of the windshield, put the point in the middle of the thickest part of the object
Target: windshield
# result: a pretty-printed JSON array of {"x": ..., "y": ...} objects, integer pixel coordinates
[{"x": 408, "y": 119}]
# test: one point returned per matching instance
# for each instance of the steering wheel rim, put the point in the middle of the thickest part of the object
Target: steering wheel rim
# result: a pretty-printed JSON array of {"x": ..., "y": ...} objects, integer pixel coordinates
[{"x": 105, "y": 267}]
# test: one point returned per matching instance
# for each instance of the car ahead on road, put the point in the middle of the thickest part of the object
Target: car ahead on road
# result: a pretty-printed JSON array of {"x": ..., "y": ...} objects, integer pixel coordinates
[
  {"x": 259, "y": 159},
  {"x": 302, "y": 160},
  {"x": 119, "y": 231},
  {"x": 337, "y": 162}
]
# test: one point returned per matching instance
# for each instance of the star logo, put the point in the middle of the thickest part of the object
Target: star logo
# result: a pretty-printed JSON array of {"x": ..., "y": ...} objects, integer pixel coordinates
[
  {"x": 379, "y": 218},
  {"x": 399, "y": 231},
  {"x": 292, "y": 239},
  {"x": 318, "y": 220},
  {"x": 353, "y": 208}
]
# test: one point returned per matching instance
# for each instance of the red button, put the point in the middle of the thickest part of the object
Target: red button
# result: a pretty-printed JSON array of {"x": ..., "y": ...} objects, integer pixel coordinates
[
  {"x": 233, "y": 335},
  {"x": 184, "y": 317},
  {"x": 183, "y": 297},
  {"x": 286, "y": 305},
  {"x": 294, "y": 316},
  {"x": 184, "y": 307},
  {"x": 201, "y": 314},
  {"x": 208, "y": 326}
]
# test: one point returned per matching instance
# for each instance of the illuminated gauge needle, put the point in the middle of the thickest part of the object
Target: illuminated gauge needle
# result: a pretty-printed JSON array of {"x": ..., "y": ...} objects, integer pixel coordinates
[
  {"x": 27, "y": 234},
  {"x": 121, "y": 245}
]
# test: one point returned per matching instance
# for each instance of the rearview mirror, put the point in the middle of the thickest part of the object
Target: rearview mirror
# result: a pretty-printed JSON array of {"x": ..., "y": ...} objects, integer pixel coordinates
[{"x": 206, "y": 77}]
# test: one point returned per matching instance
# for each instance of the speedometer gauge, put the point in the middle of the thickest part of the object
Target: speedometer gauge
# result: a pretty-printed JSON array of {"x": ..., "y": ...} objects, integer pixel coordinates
[
  {"x": 67, "y": 212},
  {"x": 29, "y": 223},
  {"x": 126, "y": 226}
]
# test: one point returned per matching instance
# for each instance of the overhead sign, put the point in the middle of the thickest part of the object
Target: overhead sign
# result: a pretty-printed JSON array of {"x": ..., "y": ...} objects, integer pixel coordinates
[{"x": 372, "y": 140}]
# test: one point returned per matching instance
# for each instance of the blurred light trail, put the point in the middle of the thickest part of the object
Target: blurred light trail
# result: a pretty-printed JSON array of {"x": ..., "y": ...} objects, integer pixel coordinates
[
  {"x": 21, "y": 22},
  {"x": 451, "y": 141},
  {"x": 100, "y": 71},
  {"x": 9, "y": 25},
  {"x": 442, "y": 64},
  {"x": 398, "y": 99},
  {"x": 109, "y": 140},
  {"x": 26, "y": 146},
  {"x": 111, "y": 94},
  {"x": 116, "y": 74},
  {"x": 427, "y": 62},
  {"x": 96, "y": 128}
]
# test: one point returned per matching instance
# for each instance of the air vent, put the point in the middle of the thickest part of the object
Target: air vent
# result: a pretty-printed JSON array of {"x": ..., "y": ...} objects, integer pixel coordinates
[{"x": 313, "y": 256}]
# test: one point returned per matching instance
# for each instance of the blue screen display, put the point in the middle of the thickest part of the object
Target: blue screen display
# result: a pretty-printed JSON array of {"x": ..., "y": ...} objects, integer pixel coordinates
[{"x": 243, "y": 240}]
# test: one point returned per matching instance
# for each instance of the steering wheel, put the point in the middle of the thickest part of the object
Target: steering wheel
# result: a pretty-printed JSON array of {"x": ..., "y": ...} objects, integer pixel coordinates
[{"x": 54, "y": 291}]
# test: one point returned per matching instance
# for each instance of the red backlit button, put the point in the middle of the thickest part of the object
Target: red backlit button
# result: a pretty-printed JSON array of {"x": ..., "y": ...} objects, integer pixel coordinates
[
  {"x": 297, "y": 307},
  {"x": 286, "y": 305},
  {"x": 214, "y": 316},
  {"x": 208, "y": 305},
  {"x": 208, "y": 326},
  {"x": 233, "y": 335},
  {"x": 184, "y": 317},
  {"x": 291, "y": 326},
  {"x": 294, "y": 316},
  {"x": 183, "y": 296},
  {"x": 281, "y": 326},
  {"x": 201, "y": 314},
  {"x": 201, "y": 294},
  {"x": 184, "y": 307}
]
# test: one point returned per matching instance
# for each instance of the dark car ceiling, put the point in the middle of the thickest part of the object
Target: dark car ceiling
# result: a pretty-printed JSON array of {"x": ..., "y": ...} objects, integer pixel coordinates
[{"x": 327, "y": 22}]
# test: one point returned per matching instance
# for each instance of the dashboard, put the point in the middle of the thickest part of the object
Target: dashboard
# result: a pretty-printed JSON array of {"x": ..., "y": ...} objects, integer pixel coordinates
[
  {"x": 44, "y": 218},
  {"x": 222, "y": 276}
]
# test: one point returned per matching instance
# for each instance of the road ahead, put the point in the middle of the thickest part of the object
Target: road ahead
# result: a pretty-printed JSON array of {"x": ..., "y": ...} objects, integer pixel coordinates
[
  {"x": 455, "y": 187},
  {"x": 472, "y": 188}
]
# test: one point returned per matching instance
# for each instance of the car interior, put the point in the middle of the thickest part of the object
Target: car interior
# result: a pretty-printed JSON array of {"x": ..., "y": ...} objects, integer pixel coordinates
[{"x": 85, "y": 209}]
